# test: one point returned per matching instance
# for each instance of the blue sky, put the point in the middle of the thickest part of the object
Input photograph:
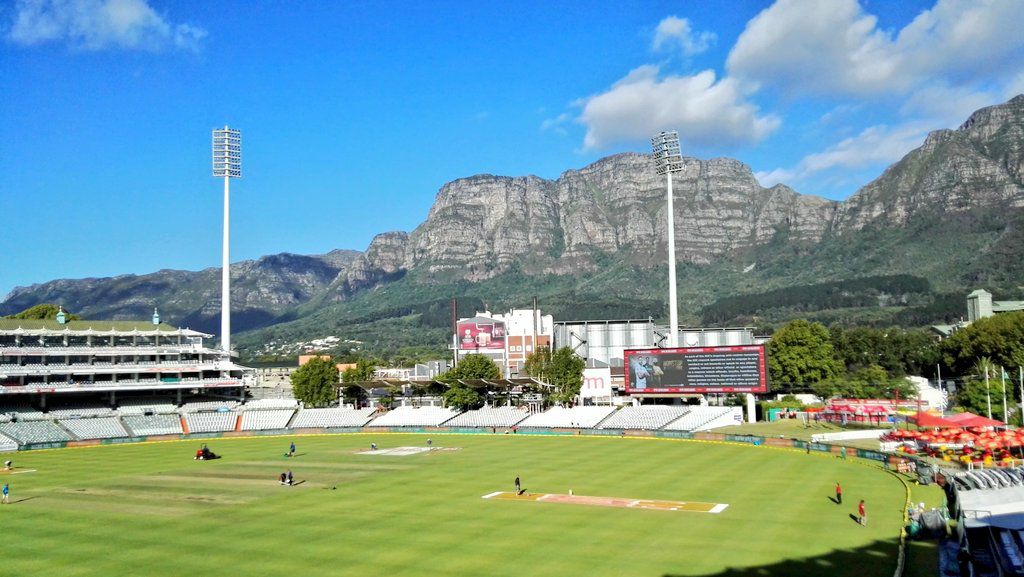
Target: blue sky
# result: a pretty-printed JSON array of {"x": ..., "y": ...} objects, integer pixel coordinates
[{"x": 354, "y": 114}]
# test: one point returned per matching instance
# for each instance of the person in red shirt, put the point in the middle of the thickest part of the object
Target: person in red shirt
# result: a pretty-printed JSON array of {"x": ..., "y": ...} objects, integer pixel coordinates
[
  {"x": 863, "y": 515},
  {"x": 839, "y": 494}
]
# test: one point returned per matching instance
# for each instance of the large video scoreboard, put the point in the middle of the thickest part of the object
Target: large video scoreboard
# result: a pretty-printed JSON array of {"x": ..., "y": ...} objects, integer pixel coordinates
[{"x": 736, "y": 369}]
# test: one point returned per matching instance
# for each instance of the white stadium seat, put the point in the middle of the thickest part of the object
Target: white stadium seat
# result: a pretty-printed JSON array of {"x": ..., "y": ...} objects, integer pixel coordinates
[
  {"x": 326, "y": 418},
  {"x": 489, "y": 417},
  {"x": 414, "y": 417},
  {"x": 95, "y": 428},
  {"x": 211, "y": 422},
  {"x": 147, "y": 425},
  {"x": 650, "y": 417},
  {"x": 266, "y": 420},
  {"x": 571, "y": 417},
  {"x": 703, "y": 418},
  {"x": 34, "y": 432}
]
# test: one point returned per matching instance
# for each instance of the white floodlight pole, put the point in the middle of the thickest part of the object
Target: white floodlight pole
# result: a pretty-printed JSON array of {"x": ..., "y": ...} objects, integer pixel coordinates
[
  {"x": 668, "y": 160},
  {"x": 227, "y": 164}
]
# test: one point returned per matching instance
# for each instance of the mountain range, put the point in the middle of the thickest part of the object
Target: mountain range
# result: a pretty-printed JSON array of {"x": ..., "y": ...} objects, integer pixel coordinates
[{"x": 904, "y": 249}]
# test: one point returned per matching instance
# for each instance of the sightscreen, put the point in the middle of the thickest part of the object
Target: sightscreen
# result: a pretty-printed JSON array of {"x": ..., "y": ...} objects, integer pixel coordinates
[{"x": 738, "y": 369}]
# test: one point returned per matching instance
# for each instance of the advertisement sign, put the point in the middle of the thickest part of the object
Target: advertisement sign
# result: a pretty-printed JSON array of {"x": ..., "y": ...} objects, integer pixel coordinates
[
  {"x": 596, "y": 383},
  {"x": 481, "y": 334},
  {"x": 738, "y": 369}
]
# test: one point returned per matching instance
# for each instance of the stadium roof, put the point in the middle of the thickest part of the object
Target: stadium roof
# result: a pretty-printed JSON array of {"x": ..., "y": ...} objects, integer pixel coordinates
[
  {"x": 1003, "y": 507},
  {"x": 39, "y": 326}
]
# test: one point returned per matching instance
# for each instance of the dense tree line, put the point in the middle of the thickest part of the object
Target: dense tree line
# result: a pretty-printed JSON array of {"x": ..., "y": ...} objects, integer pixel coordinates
[
  {"x": 43, "y": 312},
  {"x": 863, "y": 362},
  {"x": 859, "y": 292},
  {"x": 869, "y": 362}
]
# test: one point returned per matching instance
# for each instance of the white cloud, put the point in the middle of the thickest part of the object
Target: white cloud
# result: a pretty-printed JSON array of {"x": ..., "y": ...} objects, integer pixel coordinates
[
  {"x": 944, "y": 106},
  {"x": 1014, "y": 87},
  {"x": 809, "y": 47},
  {"x": 99, "y": 25},
  {"x": 875, "y": 145},
  {"x": 556, "y": 124},
  {"x": 677, "y": 32},
  {"x": 704, "y": 110}
]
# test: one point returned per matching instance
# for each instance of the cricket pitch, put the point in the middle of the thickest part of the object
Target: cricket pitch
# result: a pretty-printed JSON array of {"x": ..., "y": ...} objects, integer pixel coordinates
[{"x": 657, "y": 504}]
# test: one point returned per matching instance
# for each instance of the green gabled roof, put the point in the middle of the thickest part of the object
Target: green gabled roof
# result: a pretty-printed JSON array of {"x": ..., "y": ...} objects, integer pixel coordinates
[{"x": 99, "y": 326}]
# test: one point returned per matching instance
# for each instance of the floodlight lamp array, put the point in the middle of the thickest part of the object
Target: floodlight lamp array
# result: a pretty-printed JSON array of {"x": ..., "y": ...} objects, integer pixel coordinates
[
  {"x": 227, "y": 153},
  {"x": 667, "y": 157}
]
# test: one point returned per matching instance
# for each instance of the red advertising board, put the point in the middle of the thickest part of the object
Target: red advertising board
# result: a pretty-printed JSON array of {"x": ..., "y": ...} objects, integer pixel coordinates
[
  {"x": 737, "y": 369},
  {"x": 481, "y": 333}
]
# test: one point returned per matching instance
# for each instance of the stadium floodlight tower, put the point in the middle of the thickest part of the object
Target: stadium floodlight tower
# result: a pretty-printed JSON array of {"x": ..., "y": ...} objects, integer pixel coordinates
[
  {"x": 227, "y": 164},
  {"x": 668, "y": 160}
]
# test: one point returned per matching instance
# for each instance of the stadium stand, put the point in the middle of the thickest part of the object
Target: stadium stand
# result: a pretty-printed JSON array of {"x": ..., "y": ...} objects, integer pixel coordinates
[
  {"x": 79, "y": 411},
  {"x": 266, "y": 419},
  {"x": 95, "y": 428},
  {"x": 145, "y": 425},
  {"x": 702, "y": 418},
  {"x": 211, "y": 422},
  {"x": 650, "y": 417},
  {"x": 207, "y": 405},
  {"x": 22, "y": 413},
  {"x": 7, "y": 444},
  {"x": 34, "y": 432},
  {"x": 563, "y": 417},
  {"x": 257, "y": 404},
  {"x": 325, "y": 418},
  {"x": 489, "y": 417},
  {"x": 156, "y": 406},
  {"x": 414, "y": 417}
]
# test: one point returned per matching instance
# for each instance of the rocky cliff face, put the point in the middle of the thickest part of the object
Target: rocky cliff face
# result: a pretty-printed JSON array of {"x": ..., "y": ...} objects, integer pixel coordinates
[
  {"x": 381, "y": 262},
  {"x": 260, "y": 290},
  {"x": 482, "y": 226},
  {"x": 977, "y": 165}
]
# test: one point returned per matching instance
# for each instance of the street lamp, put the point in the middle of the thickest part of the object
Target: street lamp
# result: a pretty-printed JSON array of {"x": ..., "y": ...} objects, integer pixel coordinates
[
  {"x": 227, "y": 164},
  {"x": 668, "y": 160}
]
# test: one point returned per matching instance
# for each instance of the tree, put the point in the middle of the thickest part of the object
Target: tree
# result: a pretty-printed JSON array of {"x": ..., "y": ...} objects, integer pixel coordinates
[
  {"x": 900, "y": 352},
  {"x": 566, "y": 374},
  {"x": 871, "y": 382},
  {"x": 462, "y": 398},
  {"x": 43, "y": 312},
  {"x": 801, "y": 353},
  {"x": 983, "y": 392},
  {"x": 314, "y": 382},
  {"x": 1000, "y": 337},
  {"x": 354, "y": 394},
  {"x": 537, "y": 363},
  {"x": 363, "y": 371},
  {"x": 473, "y": 366}
]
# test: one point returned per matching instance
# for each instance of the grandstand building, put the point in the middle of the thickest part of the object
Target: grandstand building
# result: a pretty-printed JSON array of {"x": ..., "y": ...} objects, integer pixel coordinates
[
  {"x": 47, "y": 361},
  {"x": 507, "y": 339}
]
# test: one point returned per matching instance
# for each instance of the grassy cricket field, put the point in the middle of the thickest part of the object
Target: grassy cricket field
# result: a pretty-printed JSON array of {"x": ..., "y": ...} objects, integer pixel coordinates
[{"x": 150, "y": 509}]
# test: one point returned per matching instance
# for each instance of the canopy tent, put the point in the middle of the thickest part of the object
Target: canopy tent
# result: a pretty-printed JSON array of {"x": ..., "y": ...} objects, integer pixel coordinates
[
  {"x": 925, "y": 419},
  {"x": 972, "y": 420}
]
